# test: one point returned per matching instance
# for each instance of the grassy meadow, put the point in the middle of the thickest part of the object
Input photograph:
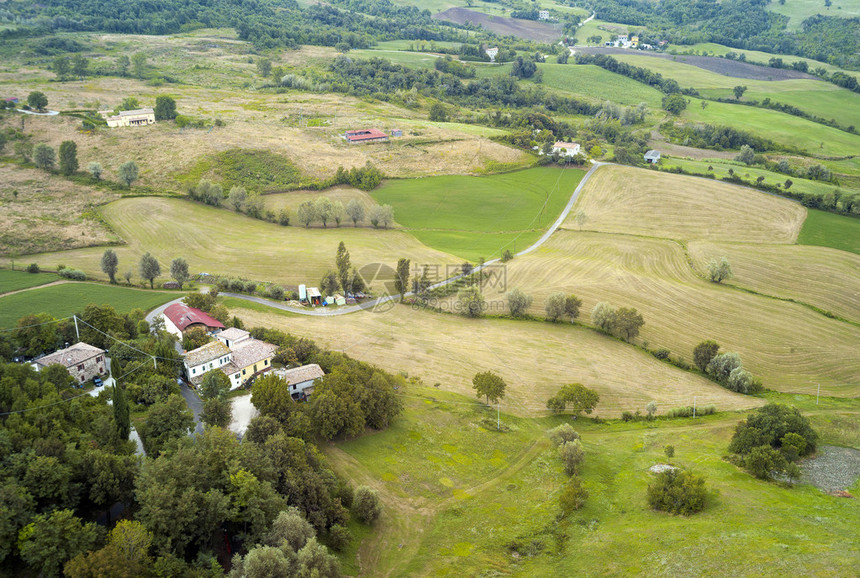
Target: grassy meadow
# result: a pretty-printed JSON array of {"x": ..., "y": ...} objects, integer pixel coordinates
[
  {"x": 461, "y": 498},
  {"x": 800, "y": 10},
  {"x": 829, "y": 230},
  {"x": 17, "y": 280},
  {"x": 595, "y": 83},
  {"x": 63, "y": 300},
  {"x": 474, "y": 217}
]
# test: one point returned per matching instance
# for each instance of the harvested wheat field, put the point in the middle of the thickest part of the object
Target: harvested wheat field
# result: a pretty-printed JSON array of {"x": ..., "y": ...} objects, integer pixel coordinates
[
  {"x": 219, "y": 241},
  {"x": 642, "y": 202},
  {"x": 291, "y": 200},
  {"x": 534, "y": 358},
  {"x": 42, "y": 212},
  {"x": 825, "y": 278},
  {"x": 786, "y": 344}
]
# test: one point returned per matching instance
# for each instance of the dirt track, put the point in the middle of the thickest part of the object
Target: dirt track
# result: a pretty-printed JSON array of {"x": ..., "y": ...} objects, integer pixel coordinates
[
  {"x": 527, "y": 29},
  {"x": 722, "y": 66}
]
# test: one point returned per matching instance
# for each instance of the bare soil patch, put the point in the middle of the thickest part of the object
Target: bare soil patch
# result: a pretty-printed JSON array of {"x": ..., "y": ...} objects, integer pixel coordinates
[
  {"x": 43, "y": 212},
  {"x": 722, "y": 66},
  {"x": 528, "y": 29},
  {"x": 833, "y": 469}
]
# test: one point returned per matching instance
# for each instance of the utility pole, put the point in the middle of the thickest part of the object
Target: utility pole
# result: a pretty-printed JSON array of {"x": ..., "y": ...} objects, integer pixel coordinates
[
  {"x": 77, "y": 333},
  {"x": 498, "y": 416},
  {"x": 155, "y": 363},
  {"x": 818, "y": 394}
]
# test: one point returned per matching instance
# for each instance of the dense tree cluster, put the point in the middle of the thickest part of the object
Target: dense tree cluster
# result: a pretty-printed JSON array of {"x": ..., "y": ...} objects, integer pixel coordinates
[{"x": 771, "y": 439}]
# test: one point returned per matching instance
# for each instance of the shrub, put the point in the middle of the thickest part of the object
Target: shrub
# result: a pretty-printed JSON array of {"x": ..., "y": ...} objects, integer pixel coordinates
[
  {"x": 33, "y": 268},
  {"x": 770, "y": 425},
  {"x": 678, "y": 492},
  {"x": 74, "y": 274},
  {"x": 365, "y": 504},
  {"x": 276, "y": 292},
  {"x": 572, "y": 497},
  {"x": 518, "y": 302},
  {"x": 661, "y": 353},
  {"x": 763, "y": 461},
  {"x": 339, "y": 537},
  {"x": 562, "y": 434},
  {"x": 571, "y": 454}
]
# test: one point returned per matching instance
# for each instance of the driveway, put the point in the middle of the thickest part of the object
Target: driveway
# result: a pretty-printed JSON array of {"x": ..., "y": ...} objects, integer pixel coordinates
[{"x": 195, "y": 404}]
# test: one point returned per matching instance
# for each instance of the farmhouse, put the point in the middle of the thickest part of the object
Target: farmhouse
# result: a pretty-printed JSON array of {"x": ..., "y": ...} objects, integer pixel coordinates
[
  {"x": 652, "y": 157},
  {"x": 364, "y": 136},
  {"x": 492, "y": 52},
  {"x": 236, "y": 353},
  {"x": 543, "y": 15},
  {"x": 301, "y": 380},
  {"x": 565, "y": 149},
  {"x": 179, "y": 318},
  {"x": 82, "y": 360},
  {"x": 139, "y": 117}
]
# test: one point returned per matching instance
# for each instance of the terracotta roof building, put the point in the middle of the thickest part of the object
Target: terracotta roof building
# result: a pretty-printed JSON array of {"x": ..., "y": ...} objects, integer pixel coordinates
[
  {"x": 82, "y": 360},
  {"x": 367, "y": 135},
  {"x": 179, "y": 318},
  {"x": 235, "y": 353},
  {"x": 211, "y": 356}
]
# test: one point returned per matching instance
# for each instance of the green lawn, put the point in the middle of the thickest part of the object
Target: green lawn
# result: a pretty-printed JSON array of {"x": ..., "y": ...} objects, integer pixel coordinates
[
  {"x": 463, "y": 499},
  {"x": 815, "y": 139},
  {"x": 63, "y": 300},
  {"x": 474, "y": 217},
  {"x": 800, "y": 10},
  {"x": 596, "y": 83},
  {"x": 829, "y": 230},
  {"x": 15, "y": 280}
]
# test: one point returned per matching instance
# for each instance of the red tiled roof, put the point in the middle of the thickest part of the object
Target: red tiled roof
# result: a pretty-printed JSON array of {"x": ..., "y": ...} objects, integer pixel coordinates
[
  {"x": 368, "y": 134},
  {"x": 182, "y": 316}
]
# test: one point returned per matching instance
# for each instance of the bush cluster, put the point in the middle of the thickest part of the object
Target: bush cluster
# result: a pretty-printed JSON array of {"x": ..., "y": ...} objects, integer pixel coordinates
[{"x": 74, "y": 274}]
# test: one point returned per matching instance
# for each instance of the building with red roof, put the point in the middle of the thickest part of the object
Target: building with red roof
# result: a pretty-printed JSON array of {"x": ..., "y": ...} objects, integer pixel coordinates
[
  {"x": 179, "y": 318},
  {"x": 366, "y": 135}
]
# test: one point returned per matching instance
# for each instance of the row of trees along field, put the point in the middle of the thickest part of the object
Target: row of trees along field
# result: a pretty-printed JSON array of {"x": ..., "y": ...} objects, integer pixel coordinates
[{"x": 271, "y": 497}]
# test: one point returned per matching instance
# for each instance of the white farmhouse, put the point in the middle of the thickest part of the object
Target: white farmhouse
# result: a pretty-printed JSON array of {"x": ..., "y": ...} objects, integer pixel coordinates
[
  {"x": 565, "y": 149},
  {"x": 139, "y": 117},
  {"x": 543, "y": 15},
  {"x": 492, "y": 52}
]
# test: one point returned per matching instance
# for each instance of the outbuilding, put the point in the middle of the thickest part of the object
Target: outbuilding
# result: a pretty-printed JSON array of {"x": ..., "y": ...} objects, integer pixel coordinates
[
  {"x": 652, "y": 157},
  {"x": 301, "y": 380},
  {"x": 365, "y": 136}
]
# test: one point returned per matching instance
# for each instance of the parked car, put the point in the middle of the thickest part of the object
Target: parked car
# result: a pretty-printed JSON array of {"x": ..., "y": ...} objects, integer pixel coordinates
[{"x": 98, "y": 381}]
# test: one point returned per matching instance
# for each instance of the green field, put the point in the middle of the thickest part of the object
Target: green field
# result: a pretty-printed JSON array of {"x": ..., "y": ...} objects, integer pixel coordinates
[
  {"x": 596, "y": 83},
  {"x": 800, "y": 10},
  {"x": 459, "y": 496},
  {"x": 474, "y": 217},
  {"x": 16, "y": 280},
  {"x": 606, "y": 31},
  {"x": 829, "y": 230},
  {"x": 63, "y": 300},
  {"x": 411, "y": 59},
  {"x": 815, "y": 139}
]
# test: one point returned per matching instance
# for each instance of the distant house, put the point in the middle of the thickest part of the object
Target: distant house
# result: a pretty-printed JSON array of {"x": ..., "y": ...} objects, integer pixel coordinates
[
  {"x": 543, "y": 15},
  {"x": 82, "y": 360},
  {"x": 566, "y": 149},
  {"x": 12, "y": 99},
  {"x": 652, "y": 157},
  {"x": 301, "y": 379},
  {"x": 492, "y": 52},
  {"x": 634, "y": 41},
  {"x": 365, "y": 136},
  {"x": 238, "y": 355},
  {"x": 179, "y": 318},
  {"x": 139, "y": 117}
]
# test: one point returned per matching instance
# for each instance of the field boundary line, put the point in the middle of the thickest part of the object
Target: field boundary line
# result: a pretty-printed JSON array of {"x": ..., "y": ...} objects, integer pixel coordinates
[{"x": 57, "y": 282}]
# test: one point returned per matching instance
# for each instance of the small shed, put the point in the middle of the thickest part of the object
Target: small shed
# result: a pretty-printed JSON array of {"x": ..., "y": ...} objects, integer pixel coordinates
[
  {"x": 314, "y": 296},
  {"x": 652, "y": 157},
  {"x": 396, "y": 132},
  {"x": 303, "y": 293}
]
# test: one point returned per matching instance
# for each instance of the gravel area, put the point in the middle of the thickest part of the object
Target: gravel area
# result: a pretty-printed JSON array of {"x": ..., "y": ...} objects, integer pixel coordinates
[
  {"x": 243, "y": 413},
  {"x": 660, "y": 468},
  {"x": 832, "y": 469}
]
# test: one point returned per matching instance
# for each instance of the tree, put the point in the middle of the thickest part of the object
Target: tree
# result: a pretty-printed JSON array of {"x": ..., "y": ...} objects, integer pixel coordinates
[
  {"x": 704, "y": 352},
  {"x": 80, "y": 66},
  {"x": 110, "y": 264},
  {"x": 62, "y": 66},
  {"x": 355, "y": 211},
  {"x": 50, "y": 540},
  {"x": 290, "y": 528},
  {"x": 438, "y": 112},
  {"x": 337, "y": 212},
  {"x": 215, "y": 385},
  {"x": 342, "y": 47},
  {"x": 149, "y": 268},
  {"x": 580, "y": 217},
  {"x": 126, "y": 554},
  {"x": 216, "y": 411},
  {"x": 572, "y": 497},
  {"x": 121, "y": 412},
  {"x": 770, "y": 425},
  {"x": 674, "y": 103},
  {"x": 95, "y": 169},
  {"x": 764, "y": 461},
  {"x": 37, "y": 100},
  {"x": 324, "y": 209},
  {"x": 307, "y": 213},
  {"x": 572, "y": 303},
  {"x": 237, "y": 198},
  {"x": 739, "y": 91},
  {"x": 329, "y": 283},
  {"x": 138, "y": 63},
  {"x": 128, "y": 173},
  {"x": 401, "y": 276},
  {"x": 179, "y": 271},
  {"x": 381, "y": 215},
  {"x": 68, "y": 157},
  {"x": 264, "y": 67},
  {"x": 489, "y": 385},
  {"x": 747, "y": 155},
  {"x": 577, "y": 396},
  {"x": 718, "y": 271},
  {"x": 128, "y": 275},
  {"x": 165, "y": 108},
  {"x": 562, "y": 434},
  {"x": 678, "y": 492},
  {"x": 470, "y": 301},
  {"x": 627, "y": 323},
  {"x": 24, "y": 149},
  {"x": 721, "y": 366},
  {"x": 651, "y": 409},
  {"x": 44, "y": 157},
  {"x": 270, "y": 394},
  {"x": 787, "y": 184},
  {"x": 343, "y": 266},
  {"x": 167, "y": 421},
  {"x": 603, "y": 316},
  {"x": 669, "y": 451},
  {"x": 518, "y": 302},
  {"x": 365, "y": 504},
  {"x": 555, "y": 306},
  {"x": 122, "y": 64},
  {"x": 571, "y": 454}
]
